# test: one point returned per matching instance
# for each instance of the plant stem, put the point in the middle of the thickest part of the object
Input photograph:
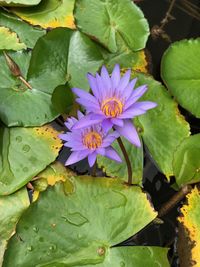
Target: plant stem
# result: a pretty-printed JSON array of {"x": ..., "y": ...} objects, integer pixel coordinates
[
  {"x": 94, "y": 169},
  {"x": 128, "y": 163},
  {"x": 174, "y": 200}
]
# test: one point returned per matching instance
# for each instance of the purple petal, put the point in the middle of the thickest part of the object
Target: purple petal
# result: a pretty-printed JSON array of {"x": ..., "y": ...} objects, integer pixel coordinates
[
  {"x": 136, "y": 94},
  {"x": 101, "y": 86},
  {"x": 124, "y": 81},
  {"x": 92, "y": 158},
  {"x": 112, "y": 154},
  {"x": 107, "y": 125},
  {"x": 106, "y": 78},
  {"x": 117, "y": 122},
  {"x": 86, "y": 121},
  {"x": 64, "y": 137},
  {"x": 84, "y": 95},
  {"x": 77, "y": 156},
  {"x": 93, "y": 86},
  {"x": 129, "y": 89},
  {"x": 145, "y": 105},
  {"x": 115, "y": 77},
  {"x": 131, "y": 113},
  {"x": 80, "y": 115},
  {"x": 129, "y": 132},
  {"x": 109, "y": 139},
  {"x": 87, "y": 104}
]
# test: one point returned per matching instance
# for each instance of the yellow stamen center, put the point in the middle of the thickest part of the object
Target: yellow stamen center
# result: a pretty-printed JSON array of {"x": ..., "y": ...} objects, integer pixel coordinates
[
  {"x": 112, "y": 107},
  {"x": 92, "y": 140}
]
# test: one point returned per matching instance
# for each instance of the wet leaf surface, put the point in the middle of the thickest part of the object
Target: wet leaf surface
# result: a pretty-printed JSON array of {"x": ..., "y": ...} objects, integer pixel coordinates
[
  {"x": 24, "y": 153},
  {"x": 66, "y": 227}
]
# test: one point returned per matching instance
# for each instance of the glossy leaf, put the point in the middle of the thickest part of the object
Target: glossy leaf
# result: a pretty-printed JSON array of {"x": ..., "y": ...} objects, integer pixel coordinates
[
  {"x": 186, "y": 162},
  {"x": 180, "y": 72},
  {"x": 78, "y": 227},
  {"x": 190, "y": 221},
  {"x": 9, "y": 40},
  {"x": 49, "y": 14},
  {"x": 20, "y": 106},
  {"x": 27, "y": 34},
  {"x": 135, "y": 256},
  {"x": 103, "y": 19},
  {"x": 113, "y": 169},
  {"x": 19, "y": 2},
  {"x": 24, "y": 153},
  {"x": 11, "y": 208},
  {"x": 162, "y": 128}
]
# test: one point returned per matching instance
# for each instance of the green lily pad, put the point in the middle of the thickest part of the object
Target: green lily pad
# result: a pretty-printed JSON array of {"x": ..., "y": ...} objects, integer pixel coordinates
[
  {"x": 190, "y": 221},
  {"x": 68, "y": 227},
  {"x": 35, "y": 149},
  {"x": 134, "y": 256},
  {"x": 20, "y": 106},
  {"x": 162, "y": 128},
  {"x": 113, "y": 169},
  {"x": 181, "y": 73},
  {"x": 186, "y": 162},
  {"x": 103, "y": 19},
  {"x": 27, "y": 34},
  {"x": 49, "y": 14},
  {"x": 9, "y": 40},
  {"x": 19, "y": 2},
  {"x": 11, "y": 208}
]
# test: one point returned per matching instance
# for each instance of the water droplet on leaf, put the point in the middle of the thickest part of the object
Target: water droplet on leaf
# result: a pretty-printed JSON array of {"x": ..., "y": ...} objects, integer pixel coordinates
[
  {"x": 26, "y": 148},
  {"x": 30, "y": 248},
  {"x": 19, "y": 139}
]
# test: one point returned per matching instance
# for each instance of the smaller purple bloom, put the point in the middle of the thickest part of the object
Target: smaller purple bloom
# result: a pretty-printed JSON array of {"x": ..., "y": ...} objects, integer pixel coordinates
[
  {"x": 88, "y": 142},
  {"x": 114, "y": 103}
]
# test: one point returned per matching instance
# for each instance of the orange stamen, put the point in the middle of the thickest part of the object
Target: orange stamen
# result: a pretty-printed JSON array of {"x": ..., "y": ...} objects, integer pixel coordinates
[
  {"x": 92, "y": 140},
  {"x": 112, "y": 107}
]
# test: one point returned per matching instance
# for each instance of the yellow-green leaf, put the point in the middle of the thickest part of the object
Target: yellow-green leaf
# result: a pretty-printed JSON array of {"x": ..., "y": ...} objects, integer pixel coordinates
[{"x": 9, "y": 40}]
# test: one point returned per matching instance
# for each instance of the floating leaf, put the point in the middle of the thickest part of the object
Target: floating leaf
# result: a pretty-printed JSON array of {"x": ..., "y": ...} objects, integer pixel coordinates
[
  {"x": 103, "y": 19},
  {"x": 78, "y": 227},
  {"x": 19, "y": 2},
  {"x": 49, "y": 14},
  {"x": 11, "y": 208},
  {"x": 20, "y": 106},
  {"x": 27, "y": 34},
  {"x": 50, "y": 176},
  {"x": 126, "y": 58},
  {"x": 181, "y": 73},
  {"x": 9, "y": 40},
  {"x": 190, "y": 221},
  {"x": 163, "y": 128},
  {"x": 113, "y": 169},
  {"x": 135, "y": 256},
  {"x": 187, "y": 161},
  {"x": 35, "y": 149}
]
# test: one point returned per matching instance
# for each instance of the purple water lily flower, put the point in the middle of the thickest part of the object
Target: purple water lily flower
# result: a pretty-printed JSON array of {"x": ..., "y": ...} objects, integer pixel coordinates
[
  {"x": 114, "y": 103},
  {"x": 88, "y": 142}
]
